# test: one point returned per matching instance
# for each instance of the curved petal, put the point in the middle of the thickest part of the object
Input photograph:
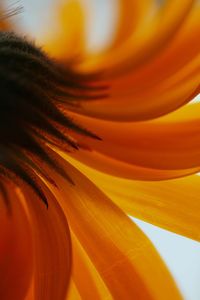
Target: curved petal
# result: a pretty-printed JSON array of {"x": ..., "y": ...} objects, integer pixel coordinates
[
  {"x": 160, "y": 86},
  {"x": 152, "y": 35},
  {"x": 52, "y": 247},
  {"x": 107, "y": 164},
  {"x": 86, "y": 278},
  {"x": 167, "y": 77},
  {"x": 159, "y": 144},
  {"x": 152, "y": 103},
  {"x": 131, "y": 15},
  {"x": 68, "y": 42},
  {"x": 123, "y": 256},
  {"x": 173, "y": 204},
  {"x": 16, "y": 258}
]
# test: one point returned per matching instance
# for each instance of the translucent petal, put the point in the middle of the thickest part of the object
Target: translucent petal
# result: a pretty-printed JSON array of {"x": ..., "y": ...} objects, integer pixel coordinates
[
  {"x": 68, "y": 40},
  {"x": 114, "y": 244},
  {"x": 152, "y": 35},
  {"x": 160, "y": 85},
  {"x": 173, "y": 204}
]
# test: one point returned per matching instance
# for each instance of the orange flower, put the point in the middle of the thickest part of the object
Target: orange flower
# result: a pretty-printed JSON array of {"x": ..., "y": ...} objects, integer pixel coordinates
[{"x": 96, "y": 137}]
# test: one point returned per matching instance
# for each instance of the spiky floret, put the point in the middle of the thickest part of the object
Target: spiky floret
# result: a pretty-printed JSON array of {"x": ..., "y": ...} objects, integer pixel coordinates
[{"x": 33, "y": 88}]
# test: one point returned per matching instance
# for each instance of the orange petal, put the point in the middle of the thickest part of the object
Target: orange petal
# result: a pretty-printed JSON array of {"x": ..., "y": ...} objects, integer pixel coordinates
[
  {"x": 122, "y": 169},
  {"x": 131, "y": 14},
  {"x": 52, "y": 247},
  {"x": 85, "y": 276},
  {"x": 173, "y": 204},
  {"x": 161, "y": 85},
  {"x": 16, "y": 259},
  {"x": 152, "y": 35},
  {"x": 159, "y": 144},
  {"x": 73, "y": 293},
  {"x": 68, "y": 40},
  {"x": 148, "y": 103},
  {"x": 121, "y": 253}
]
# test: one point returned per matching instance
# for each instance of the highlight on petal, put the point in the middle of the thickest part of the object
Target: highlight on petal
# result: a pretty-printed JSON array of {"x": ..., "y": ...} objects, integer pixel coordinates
[
  {"x": 16, "y": 251},
  {"x": 131, "y": 15},
  {"x": 52, "y": 246},
  {"x": 170, "y": 204},
  {"x": 120, "y": 252},
  {"x": 85, "y": 276},
  {"x": 68, "y": 41},
  {"x": 73, "y": 292}
]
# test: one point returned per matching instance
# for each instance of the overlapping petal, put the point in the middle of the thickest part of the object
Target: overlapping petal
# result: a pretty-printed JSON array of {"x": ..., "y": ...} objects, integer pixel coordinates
[
  {"x": 52, "y": 247},
  {"x": 73, "y": 292},
  {"x": 113, "y": 243},
  {"x": 152, "y": 67},
  {"x": 170, "y": 204},
  {"x": 122, "y": 169},
  {"x": 164, "y": 148},
  {"x": 152, "y": 33},
  {"x": 85, "y": 276}
]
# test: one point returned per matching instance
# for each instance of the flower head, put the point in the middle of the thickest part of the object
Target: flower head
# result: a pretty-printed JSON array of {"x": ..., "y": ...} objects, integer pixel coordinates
[{"x": 97, "y": 136}]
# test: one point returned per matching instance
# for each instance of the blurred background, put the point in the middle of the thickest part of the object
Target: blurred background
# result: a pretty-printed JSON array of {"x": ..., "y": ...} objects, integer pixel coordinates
[{"x": 182, "y": 255}]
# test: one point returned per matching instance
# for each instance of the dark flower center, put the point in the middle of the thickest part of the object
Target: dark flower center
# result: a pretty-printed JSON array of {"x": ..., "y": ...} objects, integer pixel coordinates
[{"x": 33, "y": 88}]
